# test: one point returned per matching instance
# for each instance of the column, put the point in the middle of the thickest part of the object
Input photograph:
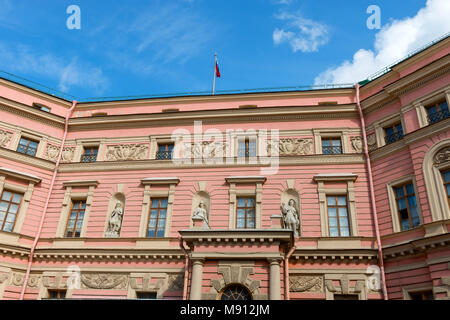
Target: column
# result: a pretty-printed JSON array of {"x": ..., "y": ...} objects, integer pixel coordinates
[
  {"x": 274, "y": 281},
  {"x": 196, "y": 281}
]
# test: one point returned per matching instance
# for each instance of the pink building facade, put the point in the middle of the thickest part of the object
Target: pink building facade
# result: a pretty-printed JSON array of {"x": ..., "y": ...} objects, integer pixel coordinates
[{"x": 241, "y": 196}]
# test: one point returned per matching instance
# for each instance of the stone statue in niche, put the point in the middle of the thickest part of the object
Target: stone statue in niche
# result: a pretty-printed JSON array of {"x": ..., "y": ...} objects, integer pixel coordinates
[
  {"x": 201, "y": 213},
  {"x": 115, "y": 222},
  {"x": 290, "y": 217}
]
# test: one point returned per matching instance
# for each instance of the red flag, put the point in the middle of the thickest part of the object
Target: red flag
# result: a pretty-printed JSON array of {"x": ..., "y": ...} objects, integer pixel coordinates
[{"x": 217, "y": 70}]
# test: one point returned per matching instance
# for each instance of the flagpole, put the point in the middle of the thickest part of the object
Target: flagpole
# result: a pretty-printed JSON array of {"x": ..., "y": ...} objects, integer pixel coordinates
[{"x": 214, "y": 77}]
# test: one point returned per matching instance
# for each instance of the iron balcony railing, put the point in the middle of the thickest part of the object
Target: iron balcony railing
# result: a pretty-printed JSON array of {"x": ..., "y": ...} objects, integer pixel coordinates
[
  {"x": 438, "y": 116},
  {"x": 88, "y": 158},
  {"x": 164, "y": 155},
  {"x": 393, "y": 137},
  {"x": 332, "y": 150}
]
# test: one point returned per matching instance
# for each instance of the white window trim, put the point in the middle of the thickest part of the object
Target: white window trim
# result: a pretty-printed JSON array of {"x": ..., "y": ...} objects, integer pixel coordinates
[
  {"x": 41, "y": 140},
  {"x": 437, "y": 197},
  {"x": 349, "y": 191},
  {"x": 26, "y": 191},
  {"x": 427, "y": 100},
  {"x": 393, "y": 204},
  {"x": 331, "y": 133},
  {"x": 69, "y": 197},
  {"x": 156, "y": 140},
  {"x": 81, "y": 144},
  {"x": 388, "y": 121},
  {"x": 235, "y": 193},
  {"x": 172, "y": 182}
]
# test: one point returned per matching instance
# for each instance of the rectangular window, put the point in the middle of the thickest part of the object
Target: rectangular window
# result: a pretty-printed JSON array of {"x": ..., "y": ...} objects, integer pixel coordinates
[
  {"x": 157, "y": 219},
  {"x": 27, "y": 146},
  {"x": 393, "y": 133},
  {"x": 90, "y": 154},
  {"x": 247, "y": 148},
  {"x": 437, "y": 112},
  {"x": 41, "y": 107},
  {"x": 9, "y": 208},
  {"x": 446, "y": 178},
  {"x": 422, "y": 295},
  {"x": 146, "y": 295},
  {"x": 407, "y": 206},
  {"x": 75, "y": 221},
  {"x": 245, "y": 213},
  {"x": 331, "y": 146},
  {"x": 165, "y": 151},
  {"x": 338, "y": 223},
  {"x": 56, "y": 294}
]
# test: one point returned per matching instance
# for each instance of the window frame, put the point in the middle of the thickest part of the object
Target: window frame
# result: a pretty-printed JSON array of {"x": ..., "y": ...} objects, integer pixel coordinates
[
  {"x": 405, "y": 197},
  {"x": 89, "y": 148},
  {"x": 169, "y": 156},
  {"x": 246, "y": 208},
  {"x": 337, "y": 206},
  {"x": 442, "y": 171},
  {"x": 396, "y": 226},
  {"x": 396, "y": 133},
  {"x": 22, "y": 195},
  {"x": 58, "y": 292},
  {"x": 27, "y": 146},
  {"x": 81, "y": 201},
  {"x": 246, "y": 141},
  {"x": 331, "y": 139},
  {"x": 157, "y": 217},
  {"x": 436, "y": 104}
]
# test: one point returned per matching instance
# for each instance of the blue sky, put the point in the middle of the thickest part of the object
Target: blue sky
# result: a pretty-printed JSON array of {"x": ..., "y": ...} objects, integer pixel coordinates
[{"x": 155, "y": 47}]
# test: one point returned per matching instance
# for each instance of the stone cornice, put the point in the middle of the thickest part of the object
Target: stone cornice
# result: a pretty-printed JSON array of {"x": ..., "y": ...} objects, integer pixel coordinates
[
  {"x": 80, "y": 183},
  {"x": 26, "y": 159},
  {"x": 28, "y": 112},
  {"x": 344, "y": 255},
  {"x": 335, "y": 177},
  {"x": 246, "y": 179},
  {"x": 168, "y": 164},
  {"x": 270, "y": 114},
  {"x": 234, "y": 236},
  {"x": 416, "y": 246},
  {"x": 217, "y": 98},
  {"x": 391, "y": 92},
  {"x": 405, "y": 64},
  {"x": 420, "y": 77},
  {"x": 19, "y": 175},
  {"x": 163, "y": 180}
]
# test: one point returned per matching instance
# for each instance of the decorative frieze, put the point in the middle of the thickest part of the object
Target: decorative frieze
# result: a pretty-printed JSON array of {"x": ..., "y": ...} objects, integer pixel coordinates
[
  {"x": 291, "y": 146},
  {"x": 51, "y": 153},
  {"x": 67, "y": 154},
  {"x": 5, "y": 137},
  {"x": 442, "y": 156},
  {"x": 126, "y": 152},
  {"x": 17, "y": 280},
  {"x": 357, "y": 144},
  {"x": 372, "y": 141},
  {"x": 104, "y": 281},
  {"x": 306, "y": 283},
  {"x": 205, "y": 149}
]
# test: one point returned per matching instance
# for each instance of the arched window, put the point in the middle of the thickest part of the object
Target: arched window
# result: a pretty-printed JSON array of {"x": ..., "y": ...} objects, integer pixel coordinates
[
  {"x": 436, "y": 166},
  {"x": 235, "y": 292}
]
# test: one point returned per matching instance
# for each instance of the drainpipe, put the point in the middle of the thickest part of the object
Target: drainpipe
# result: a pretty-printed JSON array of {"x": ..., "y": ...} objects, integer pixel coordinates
[
  {"x": 36, "y": 238},
  {"x": 186, "y": 269},
  {"x": 372, "y": 195},
  {"x": 286, "y": 273}
]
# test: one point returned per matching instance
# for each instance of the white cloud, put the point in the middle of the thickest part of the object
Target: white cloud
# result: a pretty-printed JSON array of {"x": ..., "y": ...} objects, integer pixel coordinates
[
  {"x": 21, "y": 58},
  {"x": 301, "y": 33},
  {"x": 287, "y": 2},
  {"x": 393, "y": 42}
]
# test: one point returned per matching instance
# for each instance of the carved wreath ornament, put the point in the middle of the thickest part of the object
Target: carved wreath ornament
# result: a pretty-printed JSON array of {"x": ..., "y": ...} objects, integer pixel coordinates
[
  {"x": 442, "y": 156},
  {"x": 104, "y": 281}
]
